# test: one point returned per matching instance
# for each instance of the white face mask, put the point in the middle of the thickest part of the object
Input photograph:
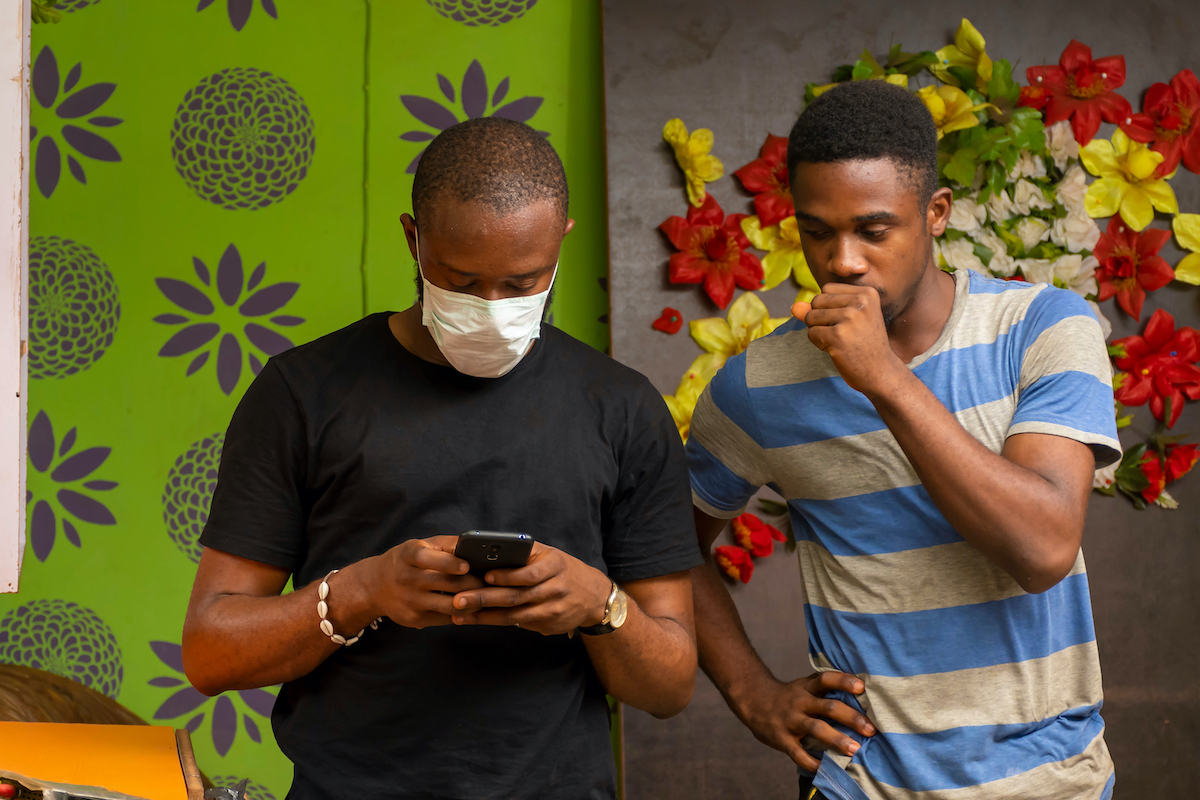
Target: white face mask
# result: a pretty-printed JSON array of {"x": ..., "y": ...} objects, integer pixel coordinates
[{"x": 483, "y": 338}]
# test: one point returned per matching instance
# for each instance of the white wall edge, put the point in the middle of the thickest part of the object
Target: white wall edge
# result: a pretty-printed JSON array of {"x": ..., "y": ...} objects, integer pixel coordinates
[{"x": 15, "y": 27}]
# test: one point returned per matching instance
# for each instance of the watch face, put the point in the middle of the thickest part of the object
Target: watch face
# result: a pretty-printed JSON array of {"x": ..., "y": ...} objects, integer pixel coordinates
[{"x": 619, "y": 610}]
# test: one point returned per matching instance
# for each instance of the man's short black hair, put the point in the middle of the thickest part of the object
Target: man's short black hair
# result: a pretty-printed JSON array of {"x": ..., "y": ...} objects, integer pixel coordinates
[
  {"x": 866, "y": 120},
  {"x": 502, "y": 164}
]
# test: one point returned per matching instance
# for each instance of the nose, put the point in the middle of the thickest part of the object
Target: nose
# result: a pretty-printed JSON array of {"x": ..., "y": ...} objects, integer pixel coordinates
[{"x": 847, "y": 260}]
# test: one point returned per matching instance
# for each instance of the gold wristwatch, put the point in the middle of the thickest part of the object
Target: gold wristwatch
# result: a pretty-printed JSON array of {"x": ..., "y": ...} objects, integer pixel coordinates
[{"x": 615, "y": 611}]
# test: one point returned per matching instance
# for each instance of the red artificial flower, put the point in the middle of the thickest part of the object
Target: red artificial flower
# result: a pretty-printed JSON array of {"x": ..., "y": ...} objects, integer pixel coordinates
[
  {"x": 767, "y": 177},
  {"x": 1161, "y": 367},
  {"x": 670, "y": 321},
  {"x": 713, "y": 250},
  {"x": 1035, "y": 96},
  {"x": 734, "y": 562},
  {"x": 1151, "y": 467},
  {"x": 1130, "y": 265},
  {"x": 756, "y": 536},
  {"x": 1180, "y": 458},
  {"x": 1081, "y": 90},
  {"x": 1170, "y": 119}
]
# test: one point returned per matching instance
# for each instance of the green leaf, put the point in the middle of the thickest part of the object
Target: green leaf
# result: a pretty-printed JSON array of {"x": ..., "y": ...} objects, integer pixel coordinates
[
  {"x": 965, "y": 76},
  {"x": 894, "y": 55},
  {"x": 952, "y": 235},
  {"x": 995, "y": 176},
  {"x": 961, "y": 167},
  {"x": 1047, "y": 250},
  {"x": 985, "y": 254},
  {"x": 1002, "y": 85},
  {"x": 43, "y": 11},
  {"x": 1117, "y": 351},
  {"x": 861, "y": 71},
  {"x": 772, "y": 507},
  {"x": 842, "y": 73},
  {"x": 1016, "y": 248}
]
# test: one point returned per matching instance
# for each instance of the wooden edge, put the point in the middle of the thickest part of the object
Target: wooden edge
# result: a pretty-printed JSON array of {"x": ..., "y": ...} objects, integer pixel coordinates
[{"x": 187, "y": 760}]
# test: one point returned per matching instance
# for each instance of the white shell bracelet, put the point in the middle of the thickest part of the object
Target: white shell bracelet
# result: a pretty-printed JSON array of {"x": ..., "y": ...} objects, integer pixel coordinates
[{"x": 323, "y": 612}]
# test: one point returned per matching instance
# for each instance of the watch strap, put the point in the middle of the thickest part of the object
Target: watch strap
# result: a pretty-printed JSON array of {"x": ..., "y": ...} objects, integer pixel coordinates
[{"x": 605, "y": 625}]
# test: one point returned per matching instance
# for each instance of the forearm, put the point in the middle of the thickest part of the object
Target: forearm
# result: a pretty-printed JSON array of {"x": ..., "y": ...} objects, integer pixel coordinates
[
  {"x": 648, "y": 663},
  {"x": 1018, "y": 518},
  {"x": 725, "y": 652},
  {"x": 240, "y": 641}
]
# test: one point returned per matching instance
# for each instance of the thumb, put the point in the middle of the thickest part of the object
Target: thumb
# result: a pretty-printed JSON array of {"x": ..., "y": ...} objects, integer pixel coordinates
[{"x": 800, "y": 309}]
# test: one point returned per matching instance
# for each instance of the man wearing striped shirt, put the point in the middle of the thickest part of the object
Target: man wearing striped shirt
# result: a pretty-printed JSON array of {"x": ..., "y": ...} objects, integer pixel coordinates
[{"x": 935, "y": 437}]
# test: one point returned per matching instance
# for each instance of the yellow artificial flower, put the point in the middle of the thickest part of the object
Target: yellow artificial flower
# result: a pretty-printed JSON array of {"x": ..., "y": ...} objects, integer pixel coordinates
[
  {"x": 967, "y": 51},
  {"x": 692, "y": 153},
  {"x": 683, "y": 402},
  {"x": 1127, "y": 183},
  {"x": 746, "y": 320},
  {"x": 896, "y": 80},
  {"x": 951, "y": 107},
  {"x": 1187, "y": 233},
  {"x": 784, "y": 253}
]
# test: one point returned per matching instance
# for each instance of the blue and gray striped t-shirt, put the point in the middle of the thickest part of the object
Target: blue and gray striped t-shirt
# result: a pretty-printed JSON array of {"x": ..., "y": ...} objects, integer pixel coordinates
[{"x": 978, "y": 689}]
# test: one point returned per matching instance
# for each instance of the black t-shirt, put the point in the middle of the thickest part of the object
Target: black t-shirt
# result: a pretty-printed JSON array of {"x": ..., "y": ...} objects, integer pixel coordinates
[{"x": 349, "y": 445}]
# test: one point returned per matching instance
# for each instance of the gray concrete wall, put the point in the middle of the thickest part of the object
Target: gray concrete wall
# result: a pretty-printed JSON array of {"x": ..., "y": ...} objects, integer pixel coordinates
[{"x": 740, "y": 69}]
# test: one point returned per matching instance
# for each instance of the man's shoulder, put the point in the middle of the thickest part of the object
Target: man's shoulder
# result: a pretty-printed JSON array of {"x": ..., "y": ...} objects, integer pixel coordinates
[
  {"x": 332, "y": 353},
  {"x": 1016, "y": 313},
  {"x": 572, "y": 357}
]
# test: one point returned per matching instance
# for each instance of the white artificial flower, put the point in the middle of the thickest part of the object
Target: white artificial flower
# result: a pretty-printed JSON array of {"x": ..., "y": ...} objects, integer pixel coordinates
[
  {"x": 1076, "y": 231},
  {"x": 1105, "y": 478},
  {"x": 999, "y": 206},
  {"x": 960, "y": 254},
  {"x": 1028, "y": 166},
  {"x": 966, "y": 215},
  {"x": 1073, "y": 271},
  {"x": 1027, "y": 196},
  {"x": 1036, "y": 270},
  {"x": 1032, "y": 230},
  {"x": 1060, "y": 141},
  {"x": 1105, "y": 325},
  {"x": 1001, "y": 263},
  {"x": 1072, "y": 189}
]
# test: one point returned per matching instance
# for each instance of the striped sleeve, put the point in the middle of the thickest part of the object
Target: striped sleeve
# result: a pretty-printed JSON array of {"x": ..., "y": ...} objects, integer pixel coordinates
[
  {"x": 1065, "y": 384},
  {"x": 726, "y": 463}
]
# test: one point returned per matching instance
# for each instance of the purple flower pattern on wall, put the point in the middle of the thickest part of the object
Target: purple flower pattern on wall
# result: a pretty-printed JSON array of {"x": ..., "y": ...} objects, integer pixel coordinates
[
  {"x": 482, "y": 12},
  {"x": 239, "y": 10},
  {"x": 66, "y": 476},
  {"x": 224, "y": 710},
  {"x": 188, "y": 493},
  {"x": 74, "y": 307},
  {"x": 473, "y": 100},
  {"x": 47, "y": 87},
  {"x": 66, "y": 639},
  {"x": 243, "y": 138},
  {"x": 251, "y": 791},
  {"x": 205, "y": 319}
]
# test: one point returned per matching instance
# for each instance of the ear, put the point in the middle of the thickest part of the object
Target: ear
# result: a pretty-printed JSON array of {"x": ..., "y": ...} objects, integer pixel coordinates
[
  {"x": 937, "y": 215},
  {"x": 410, "y": 233},
  {"x": 570, "y": 226}
]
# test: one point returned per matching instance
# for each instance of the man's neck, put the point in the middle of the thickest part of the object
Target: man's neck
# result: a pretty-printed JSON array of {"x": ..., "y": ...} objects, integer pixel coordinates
[
  {"x": 916, "y": 329},
  {"x": 414, "y": 337}
]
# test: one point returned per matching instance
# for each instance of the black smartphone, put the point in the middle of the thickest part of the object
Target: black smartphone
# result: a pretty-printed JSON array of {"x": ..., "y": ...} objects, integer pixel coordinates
[{"x": 488, "y": 550}]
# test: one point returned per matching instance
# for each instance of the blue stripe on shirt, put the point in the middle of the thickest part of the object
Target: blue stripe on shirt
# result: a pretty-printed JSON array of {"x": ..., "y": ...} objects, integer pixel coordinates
[
  {"x": 880, "y": 522},
  {"x": 961, "y": 637},
  {"x": 960, "y": 757},
  {"x": 715, "y": 483}
]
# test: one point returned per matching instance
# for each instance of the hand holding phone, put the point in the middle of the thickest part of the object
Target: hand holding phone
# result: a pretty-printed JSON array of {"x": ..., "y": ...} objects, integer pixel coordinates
[{"x": 488, "y": 550}]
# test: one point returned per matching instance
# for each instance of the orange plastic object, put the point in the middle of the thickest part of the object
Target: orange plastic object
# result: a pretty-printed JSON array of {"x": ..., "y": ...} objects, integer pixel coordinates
[{"x": 140, "y": 760}]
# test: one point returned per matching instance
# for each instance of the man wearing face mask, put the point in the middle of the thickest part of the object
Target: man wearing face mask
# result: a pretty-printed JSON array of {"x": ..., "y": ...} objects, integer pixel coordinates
[{"x": 352, "y": 463}]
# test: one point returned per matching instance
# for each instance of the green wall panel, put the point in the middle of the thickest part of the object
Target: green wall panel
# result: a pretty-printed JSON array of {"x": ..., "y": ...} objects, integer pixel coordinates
[
  {"x": 550, "y": 52},
  {"x": 227, "y": 176}
]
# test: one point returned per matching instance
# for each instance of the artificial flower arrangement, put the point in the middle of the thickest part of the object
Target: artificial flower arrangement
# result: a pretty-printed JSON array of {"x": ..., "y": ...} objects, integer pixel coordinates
[{"x": 1029, "y": 179}]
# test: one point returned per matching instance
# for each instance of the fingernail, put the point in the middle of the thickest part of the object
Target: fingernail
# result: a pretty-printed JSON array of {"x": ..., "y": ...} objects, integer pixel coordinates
[
  {"x": 853, "y": 748},
  {"x": 858, "y": 687},
  {"x": 870, "y": 729},
  {"x": 460, "y": 602},
  {"x": 489, "y": 578},
  {"x": 457, "y": 620}
]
